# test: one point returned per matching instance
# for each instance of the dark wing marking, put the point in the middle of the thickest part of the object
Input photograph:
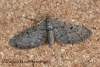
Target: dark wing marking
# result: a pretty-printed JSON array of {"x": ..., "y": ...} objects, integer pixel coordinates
[
  {"x": 30, "y": 38},
  {"x": 67, "y": 33}
]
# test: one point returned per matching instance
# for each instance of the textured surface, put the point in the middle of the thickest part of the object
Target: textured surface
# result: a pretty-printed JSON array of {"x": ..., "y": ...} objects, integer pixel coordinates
[{"x": 79, "y": 12}]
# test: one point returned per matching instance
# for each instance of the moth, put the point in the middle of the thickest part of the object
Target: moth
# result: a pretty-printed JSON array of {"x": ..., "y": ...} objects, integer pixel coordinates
[{"x": 49, "y": 29}]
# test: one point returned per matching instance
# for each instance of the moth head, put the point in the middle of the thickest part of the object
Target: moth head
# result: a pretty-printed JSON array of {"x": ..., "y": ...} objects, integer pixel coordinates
[{"x": 47, "y": 16}]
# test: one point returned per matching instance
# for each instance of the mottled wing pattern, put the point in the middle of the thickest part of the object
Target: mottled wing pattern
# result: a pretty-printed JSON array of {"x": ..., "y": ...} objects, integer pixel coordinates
[
  {"x": 67, "y": 33},
  {"x": 30, "y": 38}
]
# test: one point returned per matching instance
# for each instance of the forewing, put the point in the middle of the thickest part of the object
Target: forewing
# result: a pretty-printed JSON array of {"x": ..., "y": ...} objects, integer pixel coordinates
[
  {"x": 30, "y": 38},
  {"x": 67, "y": 33}
]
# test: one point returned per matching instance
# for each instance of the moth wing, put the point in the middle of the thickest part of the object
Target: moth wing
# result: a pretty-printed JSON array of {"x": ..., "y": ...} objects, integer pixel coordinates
[
  {"x": 30, "y": 38},
  {"x": 67, "y": 33}
]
